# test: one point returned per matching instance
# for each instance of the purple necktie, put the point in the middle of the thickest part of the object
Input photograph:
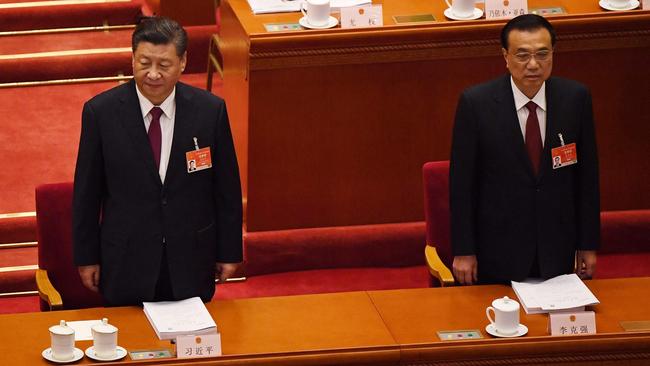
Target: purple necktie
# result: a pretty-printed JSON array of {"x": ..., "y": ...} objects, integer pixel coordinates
[
  {"x": 533, "y": 136},
  {"x": 155, "y": 135}
]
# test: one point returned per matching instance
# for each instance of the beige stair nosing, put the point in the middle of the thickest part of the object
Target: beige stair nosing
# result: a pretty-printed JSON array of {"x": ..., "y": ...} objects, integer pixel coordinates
[
  {"x": 30, "y": 267},
  {"x": 31, "y": 4},
  {"x": 93, "y": 51}
]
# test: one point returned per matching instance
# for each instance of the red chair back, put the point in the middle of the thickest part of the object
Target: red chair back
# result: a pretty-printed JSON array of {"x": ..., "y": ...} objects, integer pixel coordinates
[
  {"x": 436, "y": 208},
  {"x": 54, "y": 225}
]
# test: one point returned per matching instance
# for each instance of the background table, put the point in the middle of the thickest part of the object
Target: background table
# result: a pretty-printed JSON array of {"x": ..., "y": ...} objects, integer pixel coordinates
[{"x": 332, "y": 126}]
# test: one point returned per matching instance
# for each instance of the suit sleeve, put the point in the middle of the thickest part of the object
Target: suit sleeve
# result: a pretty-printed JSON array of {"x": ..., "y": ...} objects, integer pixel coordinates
[
  {"x": 228, "y": 194},
  {"x": 462, "y": 179},
  {"x": 588, "y": 192},
  {"x": 88, "y": 191}
]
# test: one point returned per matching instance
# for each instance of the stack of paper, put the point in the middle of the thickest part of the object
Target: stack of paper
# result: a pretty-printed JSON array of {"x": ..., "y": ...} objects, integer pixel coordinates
[
  {"x": 562, "y": 293},
  {"x": 287, "y": 6},
  {"x": 173, "y": 318}
]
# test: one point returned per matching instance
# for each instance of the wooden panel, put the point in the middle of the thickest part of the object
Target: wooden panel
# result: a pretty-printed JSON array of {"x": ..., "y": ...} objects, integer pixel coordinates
[
  {"x": 192, "y": 12},
  {"x": 336, "y": 124},
  {"x": 366, "y": 328},
  {"x": 324, "y": 329},
  {"x": 432, "y": 310}
]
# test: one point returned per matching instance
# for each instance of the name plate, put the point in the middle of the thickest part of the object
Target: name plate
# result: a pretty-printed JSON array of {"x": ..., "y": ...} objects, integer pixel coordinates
[
  {"x": 362, "y": 16},
  {"x": 198, "y": 346},
  {"x": 571, "y": 324},
  {"x": 505, "y": 9}
]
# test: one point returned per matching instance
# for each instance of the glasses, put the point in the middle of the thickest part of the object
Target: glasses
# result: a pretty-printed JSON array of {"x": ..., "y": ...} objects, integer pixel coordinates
[{"x": 525, "y": 57}]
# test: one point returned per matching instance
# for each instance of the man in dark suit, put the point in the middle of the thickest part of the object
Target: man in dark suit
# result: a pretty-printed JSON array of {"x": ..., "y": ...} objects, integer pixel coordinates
[
  {"x": 512, "y": 215},
  {"x": 145, "y": 228}
]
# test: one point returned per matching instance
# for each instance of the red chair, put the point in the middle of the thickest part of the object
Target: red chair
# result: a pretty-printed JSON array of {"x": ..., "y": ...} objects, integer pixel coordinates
[
  {"x": 436, "y": 212},
  {"x": 57, "y": 279}
]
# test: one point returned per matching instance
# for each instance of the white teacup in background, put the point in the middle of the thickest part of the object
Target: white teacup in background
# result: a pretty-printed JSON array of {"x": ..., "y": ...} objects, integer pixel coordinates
[
  {"x": 506, "y": 315},
  {"x": 619, "y": 4},
  {"x": 104, "y": 339},
  {"x": 461, "y": 8},
  {"x": 62, "y": 338},
  {"x": 316, "y": 12}
]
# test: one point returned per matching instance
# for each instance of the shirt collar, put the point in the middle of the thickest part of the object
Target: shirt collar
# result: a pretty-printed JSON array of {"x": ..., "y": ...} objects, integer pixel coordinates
[
  {"x": 521, "y": 99},
  {"x": 167, "y": 105}
]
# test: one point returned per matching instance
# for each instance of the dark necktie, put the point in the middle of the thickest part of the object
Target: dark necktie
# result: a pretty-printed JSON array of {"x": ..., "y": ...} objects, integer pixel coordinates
[
  {"x": 533, "y": 137},
  {"x": 155, "y": 135}
]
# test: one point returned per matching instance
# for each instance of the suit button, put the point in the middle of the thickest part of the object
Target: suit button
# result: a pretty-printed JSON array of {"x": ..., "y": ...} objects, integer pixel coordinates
[{"x": 164, "y": 201}]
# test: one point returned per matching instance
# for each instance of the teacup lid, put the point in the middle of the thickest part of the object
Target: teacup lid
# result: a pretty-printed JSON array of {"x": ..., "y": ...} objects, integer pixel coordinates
[
  {"x": 505, "y": 304},
  {"x": 104, "y": 327},
  {"x": 61, "y": 329}
]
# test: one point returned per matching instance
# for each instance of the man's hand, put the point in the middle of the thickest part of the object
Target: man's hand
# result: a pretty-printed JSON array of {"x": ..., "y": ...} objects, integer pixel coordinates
[
  {"x": 585, "y": 263},
  {"x": 226, "y": 270},
  {"x": 90, "y": 276},
  {"x": 465, "y": 269}
]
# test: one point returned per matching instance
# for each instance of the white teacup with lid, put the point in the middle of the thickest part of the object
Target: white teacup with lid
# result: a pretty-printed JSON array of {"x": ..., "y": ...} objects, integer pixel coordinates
[
  {"x": 506, "y": 315},
  {"x": 104, "y": 339},
  {"x": 62, "y": 341}
]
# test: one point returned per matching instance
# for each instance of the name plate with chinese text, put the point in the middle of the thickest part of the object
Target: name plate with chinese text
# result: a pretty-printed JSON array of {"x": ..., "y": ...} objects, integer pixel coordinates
[
  {"x": 505, "y": 9},
  {"x": 571, "y": 324},
  {"x": 362, "y": 16},
  {"x": 198, "y": 346}
]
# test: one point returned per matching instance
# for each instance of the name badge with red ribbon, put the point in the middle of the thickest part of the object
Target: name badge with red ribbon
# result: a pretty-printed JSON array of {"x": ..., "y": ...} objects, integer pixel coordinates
[
  {"x": 198, "y": 159},
  {"x": 564, "y": 155}
]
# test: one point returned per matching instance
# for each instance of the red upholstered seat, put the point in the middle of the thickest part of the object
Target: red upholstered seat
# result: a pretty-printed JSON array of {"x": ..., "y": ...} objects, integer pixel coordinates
[
  {"x": 331, "y": 259},
  {"x": 625, "y": 244},
  {"x": 54, "y": 224},
  {"x": 435, "y": 176},
  {"x": 325, "y": 280}
]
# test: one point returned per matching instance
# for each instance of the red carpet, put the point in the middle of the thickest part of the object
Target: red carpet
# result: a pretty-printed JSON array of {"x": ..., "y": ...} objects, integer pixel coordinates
[
  {"x": 21, "y": 44},
  {"x": 40, "y": 136},
  {"x": 19, "y": 304},
  {"x": 69, "y": 16}
]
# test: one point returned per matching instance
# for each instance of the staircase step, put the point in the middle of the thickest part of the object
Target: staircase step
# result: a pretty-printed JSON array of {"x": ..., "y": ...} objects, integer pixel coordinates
[
  {"x": 17, "y": 228},
  {"x": 19, "y": 304},
  {"x": 76, "y": 55},
  {"x": 68, "y": 14}
]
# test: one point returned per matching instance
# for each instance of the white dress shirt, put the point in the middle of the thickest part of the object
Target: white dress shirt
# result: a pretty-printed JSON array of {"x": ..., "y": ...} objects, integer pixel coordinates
[
  {"x": 522, "y": 112},
  {"x": 168, "y": 107}
]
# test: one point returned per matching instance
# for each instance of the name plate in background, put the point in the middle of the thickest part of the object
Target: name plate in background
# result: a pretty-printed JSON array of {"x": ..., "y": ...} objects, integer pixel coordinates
[
  {"x": 362, "y": 16},
  {"x": 415, "y": 18},
  {"x": 505, "y": 9},
  {"x": 459, "y": 335},
  {"x": 555, "y": 10},
  {"x": 572, "y": 324},
  {"x": 282, "y": 27},
  {"x": 198, "y": 346}
]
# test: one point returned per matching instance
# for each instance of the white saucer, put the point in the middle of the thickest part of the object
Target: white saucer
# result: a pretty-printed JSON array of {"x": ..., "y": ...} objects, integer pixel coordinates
[
  {"x": 331, "y": 22},
  {"x": 77, "y": 354},
  {"x": 632, "y": 5},
  {"x": 477, "y": 14},
  {"x": 521, "y": 330},
  {"x": 119, "y": 353}
]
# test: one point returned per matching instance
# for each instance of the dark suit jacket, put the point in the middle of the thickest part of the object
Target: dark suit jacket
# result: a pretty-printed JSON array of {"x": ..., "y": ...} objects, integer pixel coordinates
[
  {"x": 122, "y": 212},
  {"x": 500, "y": 211}
]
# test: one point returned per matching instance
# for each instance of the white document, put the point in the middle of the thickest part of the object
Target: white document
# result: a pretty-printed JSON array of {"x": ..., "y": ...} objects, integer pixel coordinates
[
  {"x": 562, "y": 293},
  {"x": 82, "y": 329},
  {"x": 173, "y": 318},
  {"x": 288, "y": 6}
]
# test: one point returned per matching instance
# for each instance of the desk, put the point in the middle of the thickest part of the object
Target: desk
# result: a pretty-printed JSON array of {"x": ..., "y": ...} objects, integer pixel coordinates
[
  {"x": 332, "y": 126},
  {"x": 371, "y": 328}
]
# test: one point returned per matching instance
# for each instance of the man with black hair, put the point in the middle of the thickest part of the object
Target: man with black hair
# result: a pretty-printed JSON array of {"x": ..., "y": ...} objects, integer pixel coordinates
[
  {"x": 512, "y": 215},
  {"x": 144, "y": 227}
]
